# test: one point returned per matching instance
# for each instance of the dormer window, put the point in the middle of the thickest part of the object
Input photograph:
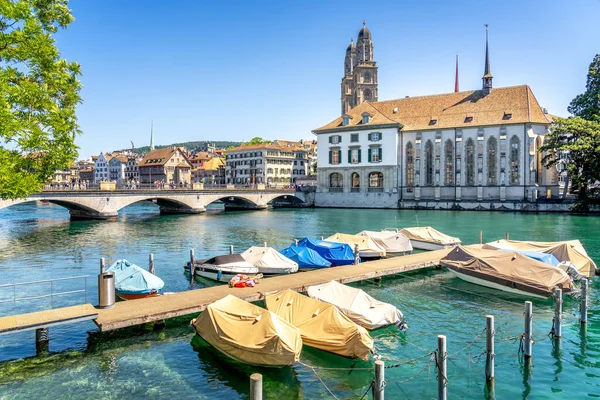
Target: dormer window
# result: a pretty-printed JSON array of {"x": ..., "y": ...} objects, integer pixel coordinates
[
  {"x": 507, "y": 116},
  {"x": 469, "y": 118},
  {"x": 366, "y": 117},
  {"x": 346, "y": 119},
  {"x": 432, "y": 121}
]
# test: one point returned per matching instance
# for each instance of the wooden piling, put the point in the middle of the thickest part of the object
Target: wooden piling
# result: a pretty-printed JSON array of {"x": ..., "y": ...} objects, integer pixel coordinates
[
  {"x": 356, "y": 254},
  {"x": 265, "y": 244},
  {"x": 557, "y": 321},
  {"x": 480, "y": 237},
  {"x": 489, "y": 349},
  {"x": 506, "y": 235},
  {"x": 528, "y": 333},
  {"x": 102, "y": 265},
  {"x": 231, "y": 249},
  {"x": 442, "y": 366},
  {"x": 192, "y": 262},
  {"x": 42, "y": 340},
  {"x": 379, "y": 383},
  {"x": 256, "y": 381},
  {"x": 583, "y": 307},
  {"x": 151, "y": 263},
  {"x": 296, "y": 240}
]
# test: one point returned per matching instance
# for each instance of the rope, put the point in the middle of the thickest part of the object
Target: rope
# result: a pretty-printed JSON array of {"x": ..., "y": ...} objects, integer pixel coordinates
[
  {"x": 369, "y": 388},
  {"x": 467, "y": 346},
  {"x": 321, "y": 380},
  {"x": 411, "y": 361},
  {"x": 437, "y": 366},
  {"x": 427, "y": 366},
  {"x": 334, "y": 369}
]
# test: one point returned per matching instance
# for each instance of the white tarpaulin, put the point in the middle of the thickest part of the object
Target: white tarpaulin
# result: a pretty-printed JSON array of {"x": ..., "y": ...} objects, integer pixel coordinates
[
  {"x": 269, "y": 261},
  {"x": 392, "y": 242},
  {"x": 366, "y": 246},
  {"x": 357, "y": 305},
  {"x": 428, "y": 234}
]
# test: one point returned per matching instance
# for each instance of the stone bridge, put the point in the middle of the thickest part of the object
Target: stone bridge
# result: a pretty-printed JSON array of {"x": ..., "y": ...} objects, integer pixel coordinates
[{"x": 97, "y": 204}]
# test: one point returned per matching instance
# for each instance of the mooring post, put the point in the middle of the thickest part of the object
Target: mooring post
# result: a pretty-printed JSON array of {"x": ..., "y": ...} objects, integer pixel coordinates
[
  {"x": 489, "y": 349},
  {"x": 256, "y": 387},
  {"x": 321, "y": 237},
  {"x": 528, "y": 334},
  {"x": 102, "y": 265},
  {"x": 441, "y": 366},
  {"x": 583, "y": 307},
  {"x": 506, "y": 235},
  {"x": 192, "y": 262},
  {"x": 265, "y": 244},
  {"x": 296, "y": 240},
  {"x": 557, "y": 321},
  {"x": 42, "y": 339},
  {"x": 480, "y": 237},
  {"x": 356, "y": 254},
  {"x": 231, "y": 249},
  {"x": 151, "y": 263},
  {"x": 379, "y": 384}
]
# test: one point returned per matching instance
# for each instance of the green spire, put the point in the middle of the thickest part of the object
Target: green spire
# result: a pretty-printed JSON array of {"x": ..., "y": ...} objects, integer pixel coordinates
[{"x": 152, "y": 135}]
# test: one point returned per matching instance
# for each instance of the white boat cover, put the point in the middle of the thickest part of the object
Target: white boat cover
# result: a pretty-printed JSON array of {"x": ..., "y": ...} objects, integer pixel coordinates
[
  {"x": 365, "y": 243},
  {"x": 357, "y": 305},
  {"x": 321, "y": 324},
  {"x": 269, "y": 261},
  {"x": 513, "y": 270},
  {"x": 430, "y": 235},
  {"x": 248, "y": 333},
  {"x": 392, "y": 242},
  {"x": 570, "y": 250}
]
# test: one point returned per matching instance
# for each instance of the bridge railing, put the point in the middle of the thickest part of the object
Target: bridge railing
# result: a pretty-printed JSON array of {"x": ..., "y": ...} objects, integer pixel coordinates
[
  {"x": 50, "y": 293},
  {"x": 93, "y": 187}
]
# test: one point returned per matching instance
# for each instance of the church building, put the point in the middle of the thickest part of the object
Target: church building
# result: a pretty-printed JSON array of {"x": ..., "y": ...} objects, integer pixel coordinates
[{"x": 470, "y": 149}]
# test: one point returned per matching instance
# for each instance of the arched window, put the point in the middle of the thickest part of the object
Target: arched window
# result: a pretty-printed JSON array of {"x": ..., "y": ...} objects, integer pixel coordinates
[
  {"x": 410, "y": 164},
  {"x": 449, "y": 162},
  {"x": 375, "y": 182},
  {"x": 336, "y": 182},
  {"x": 429, "y": 163},
  {"x": 492, "y": 161},
  {"x": 470, "y": 161},
  {"x": 515, "y": 156},
  {"x": 367, "y": 77},
  {"x": 367, "y": 95},
  {"x": 355, "y": 182}
]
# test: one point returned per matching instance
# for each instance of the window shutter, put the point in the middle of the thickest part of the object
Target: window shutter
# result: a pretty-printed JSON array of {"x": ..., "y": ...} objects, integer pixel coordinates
[
  {"x": 330, "y": 138},
  {"x": 370, "y": 151},
  {"x": 349, "y": 156},
  {"x": 339, "y": 156},
  {"x": 339, "y": 138},
  {"x": 330, "y": 156},
  {"x": 370, "y": 140},
  {"x": 359, "y": 156},
  {"x": 380, "y": 154}
]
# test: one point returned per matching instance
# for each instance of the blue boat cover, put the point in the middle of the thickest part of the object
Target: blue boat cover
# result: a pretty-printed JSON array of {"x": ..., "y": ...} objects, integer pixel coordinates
[
  {"x": 536, "y": 255},
  {"x": 131, "y": 279},
  {"x": 335, "y": 253},
  {"x": 305, "y": 257}
]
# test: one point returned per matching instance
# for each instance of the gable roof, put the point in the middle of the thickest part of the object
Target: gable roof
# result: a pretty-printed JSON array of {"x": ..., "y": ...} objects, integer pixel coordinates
[
  {"x": 449, "y": 110},
  {"x": 157, "y": 157},
  {"x": 214, "y": 164}
]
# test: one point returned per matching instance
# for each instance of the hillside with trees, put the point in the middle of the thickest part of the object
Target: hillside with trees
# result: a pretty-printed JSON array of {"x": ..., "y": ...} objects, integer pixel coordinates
[{"x": 189, "y": 145}]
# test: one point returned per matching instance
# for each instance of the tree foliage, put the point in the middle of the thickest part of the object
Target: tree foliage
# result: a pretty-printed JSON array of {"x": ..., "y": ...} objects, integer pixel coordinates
[
  {"x": 39, "y": 93},
  {"x": 579, "y": 141},
  {"x": 587, "y": 104},
  {"x": 257, "y": 140}
]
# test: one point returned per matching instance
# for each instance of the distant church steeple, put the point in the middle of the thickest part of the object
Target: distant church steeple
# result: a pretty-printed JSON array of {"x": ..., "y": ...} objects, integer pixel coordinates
[
  {"x": 487, "y": 74},
  {"x": 152, "y": 135},
  {"x": 456, "y": 90}
]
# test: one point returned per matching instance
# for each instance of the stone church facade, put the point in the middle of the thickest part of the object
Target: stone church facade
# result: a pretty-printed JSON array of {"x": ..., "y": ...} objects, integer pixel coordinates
[{"x": 467, "y": 149}]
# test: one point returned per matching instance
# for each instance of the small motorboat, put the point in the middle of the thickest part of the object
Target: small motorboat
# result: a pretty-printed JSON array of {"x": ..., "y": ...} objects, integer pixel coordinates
[
  {"x": 427, "y": 238},
  {"x": 357, "y": 305},
  {"x": 306, "y": 258},
  {"x": 269, "y": 261},
  {"x": 394, "y": 243},
  {"x": 336, "y": 253},
  {"x": 223, "y": 268},
  {"x": 133, "y": 282},
  {"x": 510, "y": 272},
  {"x": 321, "y": 324},
  {"x": 367, "y": 247},
  {"x": 248, "y": 333}
]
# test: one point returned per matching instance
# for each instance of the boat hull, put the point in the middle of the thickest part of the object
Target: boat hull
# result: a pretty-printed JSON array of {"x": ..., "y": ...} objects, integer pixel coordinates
[
  {"x": 135, "y": 296},
  {"x": 222, "y": 275},
  {"x": 493, "y": 285},
  {"x": 368, "y": 254},
  {"x": 422, "y": 245}
]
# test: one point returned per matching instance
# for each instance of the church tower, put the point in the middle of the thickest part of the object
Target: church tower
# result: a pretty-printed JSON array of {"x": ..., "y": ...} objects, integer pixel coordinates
[
  {"x": 487, "y": 74},
  {"x": 360, "y": 72}
]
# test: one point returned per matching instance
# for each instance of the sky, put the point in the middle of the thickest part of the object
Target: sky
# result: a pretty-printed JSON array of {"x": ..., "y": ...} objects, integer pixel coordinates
[{"x": 233, "y": 70}]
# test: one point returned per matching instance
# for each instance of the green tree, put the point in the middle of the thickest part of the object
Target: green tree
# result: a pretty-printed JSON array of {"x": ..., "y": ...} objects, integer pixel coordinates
[
  {"x": 587, "y": 104},
  {"x": 257, "y": 140},
  {"x": 39, "y": 93},
  {"x": 579, "y": 141}
]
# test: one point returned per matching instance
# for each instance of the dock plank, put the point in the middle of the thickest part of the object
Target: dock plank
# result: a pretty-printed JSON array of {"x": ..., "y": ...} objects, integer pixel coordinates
[
  {"x": 130, "y": 313},
  {"x": 47, "y": 318}
]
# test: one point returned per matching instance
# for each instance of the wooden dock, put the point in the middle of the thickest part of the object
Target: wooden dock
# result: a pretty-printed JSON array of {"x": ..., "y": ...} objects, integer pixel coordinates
[
  {"x": 47, "y": 318},
  {"x": 129, "y": 313}
]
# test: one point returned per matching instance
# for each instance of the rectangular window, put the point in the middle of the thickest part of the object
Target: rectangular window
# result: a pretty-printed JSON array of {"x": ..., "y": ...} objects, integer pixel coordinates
[
  {"x": 335, "y": 157},
  {"x": 375, "y": 155},
  {"x": 354, "y": 159},
  {"x": 354, "y": 137},
  {"x": 335, "y": 139},
  {"x": 375, "y": 136}
]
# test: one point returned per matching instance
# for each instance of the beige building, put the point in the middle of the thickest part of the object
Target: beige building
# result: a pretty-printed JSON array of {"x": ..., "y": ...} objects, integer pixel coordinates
[{"x": 168, "y": 165}]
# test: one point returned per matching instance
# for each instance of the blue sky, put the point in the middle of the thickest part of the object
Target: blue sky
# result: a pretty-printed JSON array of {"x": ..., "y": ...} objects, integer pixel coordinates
[{"x": 232, "y": 70}]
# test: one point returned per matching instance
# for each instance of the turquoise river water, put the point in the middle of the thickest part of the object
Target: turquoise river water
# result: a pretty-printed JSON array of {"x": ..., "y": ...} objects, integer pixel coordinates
[{"x": 39, "y": 242}]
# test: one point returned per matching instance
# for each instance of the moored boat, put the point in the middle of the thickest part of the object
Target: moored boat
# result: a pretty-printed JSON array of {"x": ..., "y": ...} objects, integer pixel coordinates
[
  {"x": 306, "y": 258},
  {"x": 394, "y": 243},
  {"x": 367, "y": 248},
  {"x": 428, "y": 238},
  {"x": 321, "y": 324},
  {"x": 133, "y": 282},
  {"x": 510, "y": 272},
  {"x": 223, "y": 268},
  {"x": 357, "y": 305},
  {"x": 269, "y": 261},
  {"x": 248, "y": 333},
  {"x": 336, "y": 253}
]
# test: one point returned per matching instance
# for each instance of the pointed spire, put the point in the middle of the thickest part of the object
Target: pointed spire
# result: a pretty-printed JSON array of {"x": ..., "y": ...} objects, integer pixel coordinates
[
  {"x": 456, "y": 90},
  {"x": 152, "y": 135},
  {"x": 487, "y": 74}
]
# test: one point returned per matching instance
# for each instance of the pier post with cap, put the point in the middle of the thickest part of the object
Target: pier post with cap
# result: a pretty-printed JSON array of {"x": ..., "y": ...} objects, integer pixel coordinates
[
  {"x": 256, "y": 383},
  {"x": 583, "y": 307},
  {"x": 441, "y": 366},
  {"x": 528, "y": 331}
]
